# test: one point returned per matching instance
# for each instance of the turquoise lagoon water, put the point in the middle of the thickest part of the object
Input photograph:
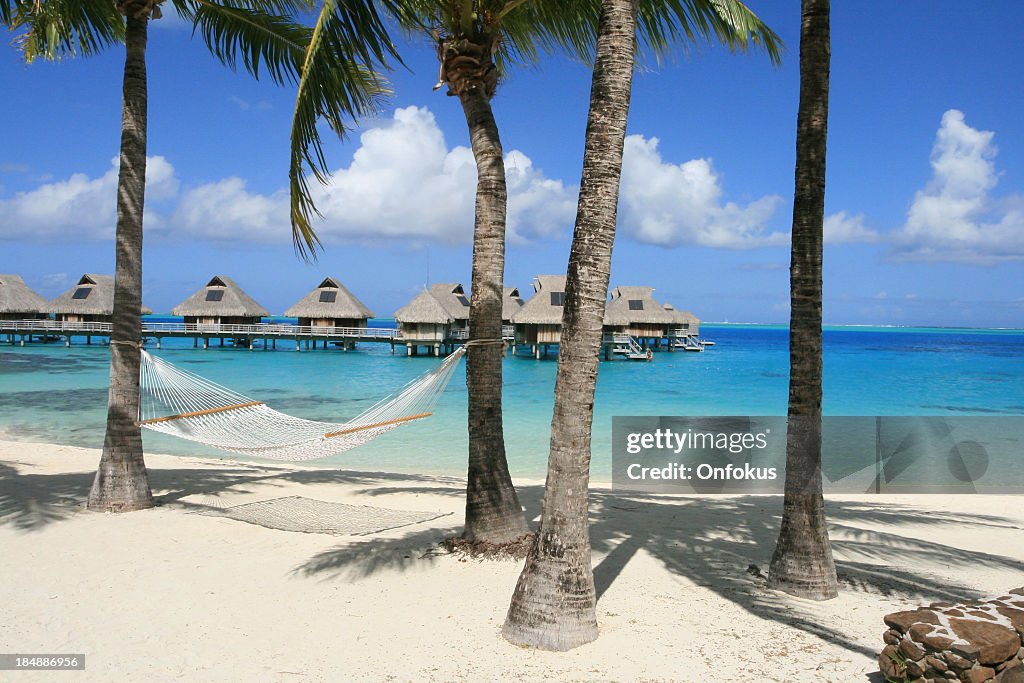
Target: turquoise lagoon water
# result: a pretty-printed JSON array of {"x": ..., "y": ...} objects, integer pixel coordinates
[{"x": 55, "y": 394}]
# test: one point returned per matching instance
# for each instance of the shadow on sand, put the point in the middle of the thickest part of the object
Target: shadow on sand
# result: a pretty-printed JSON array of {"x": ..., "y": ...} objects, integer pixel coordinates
[{"x": 709, "y": 541}]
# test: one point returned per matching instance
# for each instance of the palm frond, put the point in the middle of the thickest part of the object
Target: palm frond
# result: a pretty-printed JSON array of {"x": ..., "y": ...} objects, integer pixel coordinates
[
  {"x": 664, "y": 25},
  {"x": 56, "y": 29},
  {"x": 339, "y": 82},
  {"x": 235, "y": 32}
]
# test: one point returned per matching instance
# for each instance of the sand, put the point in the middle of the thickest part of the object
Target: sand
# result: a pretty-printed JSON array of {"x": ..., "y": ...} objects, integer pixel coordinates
[{"x": 168, "y": 594}]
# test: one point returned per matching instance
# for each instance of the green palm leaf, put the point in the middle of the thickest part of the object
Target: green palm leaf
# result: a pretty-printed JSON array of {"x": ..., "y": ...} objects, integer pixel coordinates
[
  {"x": 259, "y": 36},
  {"x": 56, "y": 29},
  {"x": 339, "y": 82}
]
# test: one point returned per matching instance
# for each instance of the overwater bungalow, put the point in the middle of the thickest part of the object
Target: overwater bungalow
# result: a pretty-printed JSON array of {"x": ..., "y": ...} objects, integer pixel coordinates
[
  {"x": 684, "y": 323},
  {"x": 511, "y": 302},
  {"x": 538, "y": 323},
  {"x": 91, "y": 300},
  {"x": 331, "y": 305},
  {"x": 424, "y": 321},
  {"x": 19, "y": 302},
  {"x": 220, "y": 302},
  {"x": 684, "y": 330},
  {"x": 453, "y": 297},
  {"x": 632, "y": 311}
]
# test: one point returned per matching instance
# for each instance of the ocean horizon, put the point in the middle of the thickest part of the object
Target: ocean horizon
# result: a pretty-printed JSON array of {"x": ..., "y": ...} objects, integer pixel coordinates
[{"x": 56, "y": 394}]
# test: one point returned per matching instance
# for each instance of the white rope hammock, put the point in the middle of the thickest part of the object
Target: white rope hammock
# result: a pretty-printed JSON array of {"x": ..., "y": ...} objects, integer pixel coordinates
[{"x": 183, "y": 404}]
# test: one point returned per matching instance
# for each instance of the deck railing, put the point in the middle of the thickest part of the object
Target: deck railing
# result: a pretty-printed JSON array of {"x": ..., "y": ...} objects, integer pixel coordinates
[{"x": 213, "y": 329}]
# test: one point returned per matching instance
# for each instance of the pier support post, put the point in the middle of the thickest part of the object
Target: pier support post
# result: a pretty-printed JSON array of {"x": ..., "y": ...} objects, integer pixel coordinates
[
  {"x": 298, "y": 345},
  {"x": 195, "y": 342},
  {"x": 67, "y": 340},
  {"x": 408, "y": 350},
  {"x": 158, "y": 343},
  {"x": 206, "y": 343},
  {"x": 275, "y": 343}
]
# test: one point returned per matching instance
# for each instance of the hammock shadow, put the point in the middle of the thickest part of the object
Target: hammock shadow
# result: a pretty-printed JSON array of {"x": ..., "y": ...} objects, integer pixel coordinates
[{"x": 30, "y": 502}]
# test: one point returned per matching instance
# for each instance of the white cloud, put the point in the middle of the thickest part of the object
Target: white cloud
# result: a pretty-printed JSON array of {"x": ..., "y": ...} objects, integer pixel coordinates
[
  {"x": 841, "y": 228},
  {"x": 954, "y": 218},
  {"x": 403, "y": 182},
  {"x": 80, "y": 207},
  {"x": 672, "y": 204}
]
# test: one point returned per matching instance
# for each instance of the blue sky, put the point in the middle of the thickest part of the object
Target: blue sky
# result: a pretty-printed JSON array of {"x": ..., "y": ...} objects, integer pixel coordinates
[{"x": 925, "y": 198}]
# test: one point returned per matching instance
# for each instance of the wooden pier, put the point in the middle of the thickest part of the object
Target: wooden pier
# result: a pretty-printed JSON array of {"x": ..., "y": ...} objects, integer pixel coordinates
[
  {"x": 267, "y": 334},
  {"x": 307, "y": 337}
]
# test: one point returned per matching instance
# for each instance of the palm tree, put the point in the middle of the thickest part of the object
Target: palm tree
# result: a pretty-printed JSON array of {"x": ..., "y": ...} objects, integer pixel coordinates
[
  {"x": 802, "y": 563},
  {"x": 553, "y": 606},
  {"x": 554, "y": 599},
  {"x": 476, "y": 41},
  {"x": 263, "y": 34}
]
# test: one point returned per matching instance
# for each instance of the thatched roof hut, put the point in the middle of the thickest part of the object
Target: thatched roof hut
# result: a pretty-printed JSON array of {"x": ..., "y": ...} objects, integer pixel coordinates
[
  {"x": 545, "y": 306},
  {"x": 539, "y": 320},
  {"x": 19, "y": 302},
  {"x": 454, "y": 299},
  {"x": 511, "y": 302},
  {"x": 221, "y": 301},
  {"x": 424, "y": 308},
  {"x": 90, "y": 300},
  {"x": 634, "y": 311},
  {"x": 685, "y": 321},
  {"x": 424, "y": 320},
  {"x": 330, "y": 305}
]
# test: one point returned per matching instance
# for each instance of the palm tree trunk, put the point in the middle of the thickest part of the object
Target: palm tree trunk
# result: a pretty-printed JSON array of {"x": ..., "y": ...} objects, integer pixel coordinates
[
  {"x": 802, "y": 563},
  {"x": 553, "y": 606},
  {"x": 493, "y": 512},
  {"x": 121, "y": 482}
]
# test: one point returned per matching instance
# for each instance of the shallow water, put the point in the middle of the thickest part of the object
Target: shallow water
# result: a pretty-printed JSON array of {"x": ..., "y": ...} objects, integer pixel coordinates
[{"x": 55, "y": 394}]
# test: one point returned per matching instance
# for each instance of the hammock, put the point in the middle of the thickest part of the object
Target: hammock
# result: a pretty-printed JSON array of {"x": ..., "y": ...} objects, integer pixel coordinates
[{"x": 183, "y": 404}]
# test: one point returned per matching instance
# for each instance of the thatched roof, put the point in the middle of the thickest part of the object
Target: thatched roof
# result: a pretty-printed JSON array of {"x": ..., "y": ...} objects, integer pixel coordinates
[
  {"x": 511, "y": 302},
  {"x": 630, "y": 305},
  {"x": 545, "y": 306},
  {"x": 221, "y": 297},
  {"x": 17, "y": 297},
  {"x": 92, "y": 295},
  {"x": 424, "y": 308},
  {"x": 330, "y": 299},
  {"x": 453, "y": 298},
  {"x": 681, "y": 317}
]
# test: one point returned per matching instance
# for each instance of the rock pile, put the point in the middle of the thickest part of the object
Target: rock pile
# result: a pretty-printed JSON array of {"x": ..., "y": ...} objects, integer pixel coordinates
[{"x": 976, "y": 641}]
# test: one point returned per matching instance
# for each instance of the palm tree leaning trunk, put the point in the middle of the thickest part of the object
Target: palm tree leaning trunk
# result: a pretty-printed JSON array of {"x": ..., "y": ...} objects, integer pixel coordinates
[
  {"x": 553, "y": 606},
  {"x": 121, "y": 482},
  {"x": 802, "y": 563},
  {"x": 493, "y": 512}
]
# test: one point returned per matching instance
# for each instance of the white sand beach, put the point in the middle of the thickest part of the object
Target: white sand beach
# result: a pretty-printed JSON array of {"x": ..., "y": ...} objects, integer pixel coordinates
[{"x": 168, "y": 594}]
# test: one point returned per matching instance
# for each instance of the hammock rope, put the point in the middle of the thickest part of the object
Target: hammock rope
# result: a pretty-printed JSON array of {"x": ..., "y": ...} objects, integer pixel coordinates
[{"x": 183, "y": 404}]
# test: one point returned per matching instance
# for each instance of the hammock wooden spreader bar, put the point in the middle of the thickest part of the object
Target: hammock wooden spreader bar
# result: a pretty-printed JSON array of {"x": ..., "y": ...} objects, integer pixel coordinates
[
  {"x": 360, "y": 428},
  {"x": 197, "y": 413}
]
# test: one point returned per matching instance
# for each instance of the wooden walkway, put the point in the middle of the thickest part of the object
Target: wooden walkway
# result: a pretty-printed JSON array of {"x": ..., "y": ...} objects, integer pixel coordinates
[{"x": 20, "y": 331}]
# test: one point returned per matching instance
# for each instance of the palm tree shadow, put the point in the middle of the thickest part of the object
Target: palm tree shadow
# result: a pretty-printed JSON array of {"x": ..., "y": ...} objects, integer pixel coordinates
[{"x": 713, "y": 541}]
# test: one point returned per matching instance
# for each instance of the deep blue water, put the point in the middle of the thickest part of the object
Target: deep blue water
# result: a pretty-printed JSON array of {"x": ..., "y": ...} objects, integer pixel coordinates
[{"x": 56, "y": 394}]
